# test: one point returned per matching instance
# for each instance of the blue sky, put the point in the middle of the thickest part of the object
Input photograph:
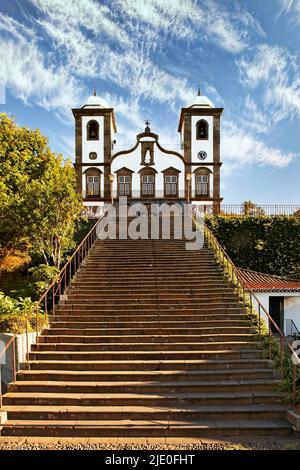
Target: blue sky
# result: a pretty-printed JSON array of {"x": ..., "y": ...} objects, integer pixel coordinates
[{"x": 146, "y": 59}]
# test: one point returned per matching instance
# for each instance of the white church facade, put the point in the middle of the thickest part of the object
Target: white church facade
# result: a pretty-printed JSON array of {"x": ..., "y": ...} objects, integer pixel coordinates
[{"x": 147, "y": 171}]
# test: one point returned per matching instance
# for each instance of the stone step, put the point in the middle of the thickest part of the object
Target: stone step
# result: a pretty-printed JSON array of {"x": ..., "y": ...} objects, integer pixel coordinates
[
  {"x": 146, "y": 365},
  {"x": 144, "y": 386},
  {"x": 145, "y": 284},
  {"x": 100, "y": 413},
  {"x": 206, "y": 313},
  {"x": 146, "y": 355},
  {"x": 140, "y": 399},
  {"x": 143, "y": 260},
  {"x": 138, "y": 304},
  {"x": 151, "y": 346},
  {"x": 147, "y": 291},
  {"x": 131, "y": 322},
  {"x": 86, "y": 323},
  {"x": 130, "y": 428},
  {"x": 95, "y": 331},
  {"x": 145, "y": 339},
  {"x": 140, "y": 375},
  {"x": 146, "y": 298}
]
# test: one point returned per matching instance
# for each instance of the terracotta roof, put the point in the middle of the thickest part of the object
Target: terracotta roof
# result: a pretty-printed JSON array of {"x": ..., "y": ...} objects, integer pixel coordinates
[{"x": 267, "y": 282}]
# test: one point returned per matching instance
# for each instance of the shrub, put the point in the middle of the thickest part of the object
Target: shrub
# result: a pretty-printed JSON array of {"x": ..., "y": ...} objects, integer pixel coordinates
[
  {"x": 265, "y": 244},
  {"x": 19, "y": 315},
  {"x": 42, "y": 278}
]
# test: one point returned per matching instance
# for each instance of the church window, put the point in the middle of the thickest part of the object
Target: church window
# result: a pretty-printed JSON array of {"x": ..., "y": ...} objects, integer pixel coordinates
[
  {"x": 202, "y": 185},
  {"x": 93, "y": 185},
  {"x": 202, "y": 130},
  {"x": 148, "y": 185},
  {"x": 124, "y": 185},
  {"x": 93, "y": 156},
  {"x": 171, "y": 185},
  {"x": 93, "y": 130}
]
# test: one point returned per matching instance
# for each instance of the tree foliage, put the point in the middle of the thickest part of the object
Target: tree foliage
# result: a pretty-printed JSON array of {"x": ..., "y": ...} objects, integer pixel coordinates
[{"x": 39, "y": 205}]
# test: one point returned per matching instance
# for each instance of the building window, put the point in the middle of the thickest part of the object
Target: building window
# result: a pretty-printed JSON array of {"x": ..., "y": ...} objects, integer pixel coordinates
[
  {"x": 124, "y": 185},
  {"x": 93, "y": 185},
  {"x": 171, "y": 185},
  {"x": 93, "y": 156},
  {"x": 93, "y": 130},
  {"x": 148, "y": 185},
  {"x": 202, "y": 185},
  {"x": 202, "y": 130}
]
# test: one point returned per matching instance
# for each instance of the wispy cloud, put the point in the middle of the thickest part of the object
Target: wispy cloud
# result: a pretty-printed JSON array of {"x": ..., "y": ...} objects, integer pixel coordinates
[
  {"x": 254, "y": 118},
  {"x": 292, "y": 7},
  {"x": 24, "y": 70},
  {"x": 239, "y": 147},
  {"x": 276, "y": 71},
  {"x": 229, "y": 29}
]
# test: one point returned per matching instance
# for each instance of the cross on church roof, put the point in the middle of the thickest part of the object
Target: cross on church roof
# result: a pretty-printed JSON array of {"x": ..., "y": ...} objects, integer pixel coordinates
[{"x": 147, "y": 129}]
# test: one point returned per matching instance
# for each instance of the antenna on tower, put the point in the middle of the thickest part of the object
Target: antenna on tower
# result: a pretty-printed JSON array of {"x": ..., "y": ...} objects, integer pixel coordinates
[
  {"x": 199, "y": 90},
  {"x": 95, "y": 92}
]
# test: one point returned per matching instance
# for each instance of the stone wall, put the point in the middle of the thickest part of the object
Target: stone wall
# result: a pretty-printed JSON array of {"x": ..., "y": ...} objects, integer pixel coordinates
[{"x": 6, "y": 361}]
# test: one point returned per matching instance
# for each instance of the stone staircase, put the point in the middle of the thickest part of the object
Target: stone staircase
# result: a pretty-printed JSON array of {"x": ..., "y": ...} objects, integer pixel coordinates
[{"x": 150, "y": 342}]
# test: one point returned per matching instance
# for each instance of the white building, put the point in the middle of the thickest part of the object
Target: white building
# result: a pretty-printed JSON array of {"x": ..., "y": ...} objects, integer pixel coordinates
[
  {"x": 280, "y": 297},
  {"x": 148, "y": 172}
]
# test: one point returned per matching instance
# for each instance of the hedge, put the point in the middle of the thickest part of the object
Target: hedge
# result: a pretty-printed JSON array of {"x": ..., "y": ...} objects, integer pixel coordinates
[{"x": 265, "y": 244}]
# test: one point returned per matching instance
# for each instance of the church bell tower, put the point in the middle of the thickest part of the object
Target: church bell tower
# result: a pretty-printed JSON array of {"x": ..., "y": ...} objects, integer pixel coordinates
[
  {"x": 95, "y": 127},
  {"x": 199, "y": 128}
]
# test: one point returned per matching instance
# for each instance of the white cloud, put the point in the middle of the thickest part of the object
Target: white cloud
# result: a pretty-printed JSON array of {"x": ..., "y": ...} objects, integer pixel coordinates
[
  {"x": 89, "y": 15},
  {"x": 117, "y": 42},
  {"x": 189, "y": 19},
  {"x": 276, "y": 71},
  {"x": 292, "y": 7},
  {"x": 24, "y": 70},
  {"x": 239, "y": 147},
  {"x": 265, "y": 63},
  {"x": 254, "y": 118}
]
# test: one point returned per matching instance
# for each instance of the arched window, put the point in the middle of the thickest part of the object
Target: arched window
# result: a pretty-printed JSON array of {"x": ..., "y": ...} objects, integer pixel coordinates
[
  {"x": 171, "y": 177},
  {"x": 93, "y": 178},
  {"x": 93, "y": 156},
  {"x": 202, "y": 182},
  {"x": 147, "y": 182},
  {"x": 124, "y": 178},
  {"x": 202, "y": 130},
  {"x": 92, "y": 130}
]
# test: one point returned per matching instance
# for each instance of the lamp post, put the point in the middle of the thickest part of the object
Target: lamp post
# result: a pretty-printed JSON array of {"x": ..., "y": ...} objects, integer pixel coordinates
[
  {"x": 188, "y": 179},
  {"x": 111, "y": 179}
]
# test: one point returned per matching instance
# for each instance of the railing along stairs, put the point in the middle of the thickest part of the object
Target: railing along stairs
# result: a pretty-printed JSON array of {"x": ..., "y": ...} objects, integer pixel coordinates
[
  {"x": 288, "y": 358},
  {"x": 49, "y": 300}
]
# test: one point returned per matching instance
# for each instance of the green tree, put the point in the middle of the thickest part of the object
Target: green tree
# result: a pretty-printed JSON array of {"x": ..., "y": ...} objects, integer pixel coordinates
[{"x": 39, "y": 204}]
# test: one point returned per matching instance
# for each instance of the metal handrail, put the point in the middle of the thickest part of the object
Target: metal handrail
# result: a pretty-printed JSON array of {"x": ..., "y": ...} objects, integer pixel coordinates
[
  {"x": 294, "y": 326},
  {"x": 57, "y": 288},
  {"x": 63, "y": 279},
  {"x": 257, "y": 210},
  {"x": 244, "y": 288}
]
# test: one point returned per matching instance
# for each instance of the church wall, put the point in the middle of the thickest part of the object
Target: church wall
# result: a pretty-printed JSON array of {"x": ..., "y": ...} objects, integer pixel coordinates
[
  {"x": 162, "y": 161},
  {"x": 92, "y": 145},
  {"x": 206, "y": 145}
]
